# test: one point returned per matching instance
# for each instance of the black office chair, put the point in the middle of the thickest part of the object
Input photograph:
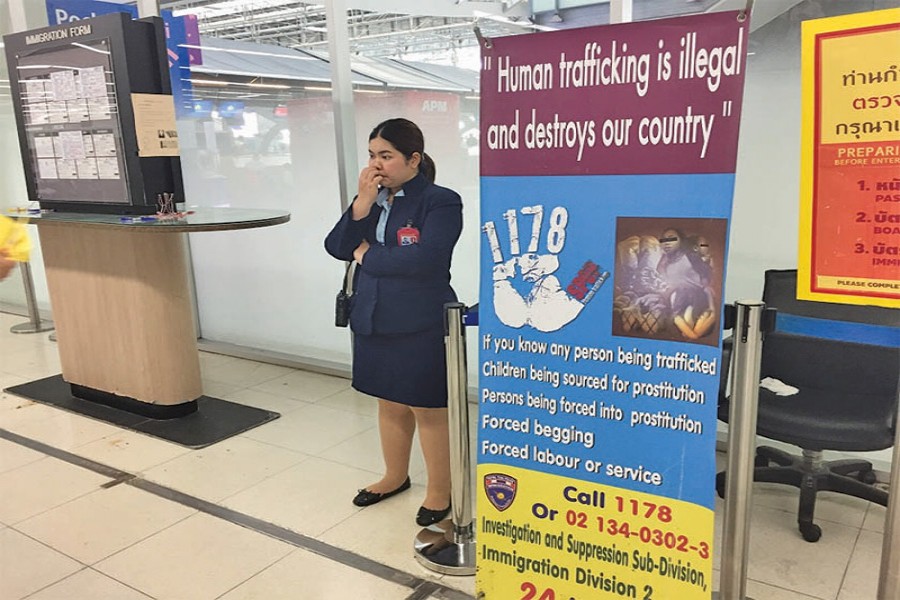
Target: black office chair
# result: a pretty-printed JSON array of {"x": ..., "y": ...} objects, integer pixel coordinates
[{"x": 847, "y": 399}]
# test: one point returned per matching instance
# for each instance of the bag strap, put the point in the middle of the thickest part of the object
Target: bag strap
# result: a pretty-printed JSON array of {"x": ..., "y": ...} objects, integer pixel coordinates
[{"x": 350, "y": 269}]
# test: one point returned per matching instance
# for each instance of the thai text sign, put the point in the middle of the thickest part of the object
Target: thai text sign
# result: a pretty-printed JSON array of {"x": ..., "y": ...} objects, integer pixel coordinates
[{"x": 850, "y": 172}]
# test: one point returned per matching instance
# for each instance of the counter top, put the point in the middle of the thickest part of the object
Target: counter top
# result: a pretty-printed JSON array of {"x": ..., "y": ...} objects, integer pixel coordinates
[{"x": 192, "y": 219}]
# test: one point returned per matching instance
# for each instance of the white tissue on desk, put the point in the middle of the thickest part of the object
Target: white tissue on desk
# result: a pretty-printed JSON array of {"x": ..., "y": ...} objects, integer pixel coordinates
[{"x": 778, "y": 387}]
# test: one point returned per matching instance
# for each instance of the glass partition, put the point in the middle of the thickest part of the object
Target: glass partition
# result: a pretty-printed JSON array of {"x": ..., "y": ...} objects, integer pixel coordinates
[
  {"x": 12, "y": 183},
  {"x": 261, "y": 134}
]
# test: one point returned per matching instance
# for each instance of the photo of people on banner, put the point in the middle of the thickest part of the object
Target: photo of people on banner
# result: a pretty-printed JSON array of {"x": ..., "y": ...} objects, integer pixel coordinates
[{"x": 668, "y": 278}]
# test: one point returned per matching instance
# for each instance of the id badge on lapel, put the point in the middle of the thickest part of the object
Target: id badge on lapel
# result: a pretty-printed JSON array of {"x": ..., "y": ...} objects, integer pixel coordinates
[{"x": 407, "y": 236}]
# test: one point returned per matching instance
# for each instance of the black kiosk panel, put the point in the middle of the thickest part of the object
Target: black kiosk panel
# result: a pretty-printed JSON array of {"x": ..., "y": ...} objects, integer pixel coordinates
[{"x": 72, "y": 88}]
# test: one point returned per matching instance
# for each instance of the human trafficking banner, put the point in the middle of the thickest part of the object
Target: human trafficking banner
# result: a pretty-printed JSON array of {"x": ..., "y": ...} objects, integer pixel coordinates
[
  {"x": 850, "y": 160},
  {"x": 607, "y": 174}
]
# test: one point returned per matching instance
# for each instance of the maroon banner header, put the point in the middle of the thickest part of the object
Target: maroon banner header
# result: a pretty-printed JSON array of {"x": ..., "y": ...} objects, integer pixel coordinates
[{"x": 663, "y": 97}]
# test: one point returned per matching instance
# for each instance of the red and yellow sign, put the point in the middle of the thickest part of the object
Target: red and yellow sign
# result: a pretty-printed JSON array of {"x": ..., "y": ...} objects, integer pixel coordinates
[{"x": 850, "y": 172}]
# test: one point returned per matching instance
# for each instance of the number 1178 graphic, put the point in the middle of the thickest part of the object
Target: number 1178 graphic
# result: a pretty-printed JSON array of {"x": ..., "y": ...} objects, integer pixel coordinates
[
  {"x": 556, "y": 236},
  {"x": 546, "y": 306}
]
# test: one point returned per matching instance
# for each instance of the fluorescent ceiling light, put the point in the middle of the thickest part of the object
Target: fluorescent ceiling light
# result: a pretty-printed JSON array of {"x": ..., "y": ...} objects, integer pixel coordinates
[
  {"x": 272, "y": 86},
  {"x": 230, "y": 7},
  {"x": 208, "y": 82},
  {"x": 285, "y": 55},
  {"x": 253, "y": 84}
]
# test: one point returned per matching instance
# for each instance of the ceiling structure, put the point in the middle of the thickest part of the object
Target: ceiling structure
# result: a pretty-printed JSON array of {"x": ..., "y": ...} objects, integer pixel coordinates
[
  {"x": 413, "y": 28},
  {"x": 430, "y": 26}
]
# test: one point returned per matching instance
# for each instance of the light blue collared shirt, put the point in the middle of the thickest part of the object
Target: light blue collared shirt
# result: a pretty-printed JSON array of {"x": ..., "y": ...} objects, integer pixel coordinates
[{"x": 382, "y": 201}]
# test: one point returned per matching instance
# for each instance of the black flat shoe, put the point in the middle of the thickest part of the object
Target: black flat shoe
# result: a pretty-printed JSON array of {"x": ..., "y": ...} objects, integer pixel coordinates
[
  {"x": 367, "y": 498},
  {"x": 426, "y": 516}
]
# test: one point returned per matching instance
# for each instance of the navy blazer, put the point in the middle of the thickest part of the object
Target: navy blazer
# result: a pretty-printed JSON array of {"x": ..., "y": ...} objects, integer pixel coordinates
[{"x": 402, "y": 289}]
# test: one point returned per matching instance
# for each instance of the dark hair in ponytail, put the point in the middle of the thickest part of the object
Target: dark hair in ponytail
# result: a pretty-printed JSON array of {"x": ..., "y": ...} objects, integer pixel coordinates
[{"x": 407, "y": 138}]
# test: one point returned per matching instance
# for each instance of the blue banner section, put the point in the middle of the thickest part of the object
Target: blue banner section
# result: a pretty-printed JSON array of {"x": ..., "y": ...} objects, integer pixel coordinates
[
  {"x": 68, "y": 11},
  {"x": 844, "y": 331},
  {"x": 584, "y": 371}
]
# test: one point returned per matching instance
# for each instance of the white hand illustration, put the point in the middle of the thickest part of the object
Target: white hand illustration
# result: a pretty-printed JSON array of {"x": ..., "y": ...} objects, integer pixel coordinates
[{"x": 546, "y": 307}]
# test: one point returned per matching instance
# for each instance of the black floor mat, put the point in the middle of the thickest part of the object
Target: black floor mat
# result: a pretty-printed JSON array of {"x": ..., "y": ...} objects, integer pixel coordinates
[{"x": 214, "y": 420}]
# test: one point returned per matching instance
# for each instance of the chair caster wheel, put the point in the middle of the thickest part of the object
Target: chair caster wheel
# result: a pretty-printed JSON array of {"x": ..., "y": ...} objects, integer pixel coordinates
[
  {"x": 720, "y": 485},
  {"x": 868, "y": 477},
  {"x": 810, "y": 532}
]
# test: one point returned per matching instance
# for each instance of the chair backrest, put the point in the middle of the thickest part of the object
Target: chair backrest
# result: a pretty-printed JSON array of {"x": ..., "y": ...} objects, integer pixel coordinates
[
  {"x": 845, "y": 322},
  {"x": 846, "y": 358}
]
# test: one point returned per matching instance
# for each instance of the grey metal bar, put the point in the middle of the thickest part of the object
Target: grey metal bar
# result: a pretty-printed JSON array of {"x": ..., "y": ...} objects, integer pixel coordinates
[
  {"x": 748, "y": 336},
  {"x": 889, "y": 577},
  {"x": 458, "y": 408},
  {"x": 452, "y": 550},
  {"x": 148, "y": 8},
  {"x": 621, "y": 11},
  {"x": 17, "y": 18},
  {"x": 342, "y": 98},
  {"x": 34, "y": 324}
]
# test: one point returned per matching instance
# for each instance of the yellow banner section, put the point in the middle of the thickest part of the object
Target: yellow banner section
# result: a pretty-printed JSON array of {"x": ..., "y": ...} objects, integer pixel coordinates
[
  {"x": 860, "y": 87},
  {"x": 849, "y": 169},
  {"x": 546, "y": 537},
  {"x": 855, "y": 283}
]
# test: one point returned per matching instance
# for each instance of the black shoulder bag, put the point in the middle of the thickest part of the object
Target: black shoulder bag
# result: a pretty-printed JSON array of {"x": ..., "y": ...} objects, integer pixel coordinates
[{"x": 342, "y": 302}]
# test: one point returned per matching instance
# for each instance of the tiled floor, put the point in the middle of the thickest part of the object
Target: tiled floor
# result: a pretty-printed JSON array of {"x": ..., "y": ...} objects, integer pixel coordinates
[{"x": 72, "y": 529}]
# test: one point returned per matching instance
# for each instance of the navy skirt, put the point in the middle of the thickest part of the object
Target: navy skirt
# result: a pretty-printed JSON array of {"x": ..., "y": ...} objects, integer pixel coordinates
[{"x": 408, "y": 368}]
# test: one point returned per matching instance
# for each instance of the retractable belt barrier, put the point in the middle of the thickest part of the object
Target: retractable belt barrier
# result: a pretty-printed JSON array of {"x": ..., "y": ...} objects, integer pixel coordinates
[
  {"x": 751, "y": 321},
  {"x": 451, "y": 550},
  {"x": 889, "y": 577}
]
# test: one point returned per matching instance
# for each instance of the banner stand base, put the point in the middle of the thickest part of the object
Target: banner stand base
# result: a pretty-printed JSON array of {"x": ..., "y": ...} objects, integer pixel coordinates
[
  {"x": 436, "y": 549},
  {"x": 32, "y": 327}
]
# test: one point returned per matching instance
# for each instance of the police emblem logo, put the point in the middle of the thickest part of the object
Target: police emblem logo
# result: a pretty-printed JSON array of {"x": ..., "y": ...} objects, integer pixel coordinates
[{"x": 500, "y": 490}]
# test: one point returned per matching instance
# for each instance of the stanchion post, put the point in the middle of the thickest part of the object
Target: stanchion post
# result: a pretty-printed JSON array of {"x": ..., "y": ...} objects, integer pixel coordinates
[
  {"x": 889, "y": 577},
  {"x": 35, "y": 324},
  {"x": 452, "y": 551},
  {"x": 748, "y": 336}
]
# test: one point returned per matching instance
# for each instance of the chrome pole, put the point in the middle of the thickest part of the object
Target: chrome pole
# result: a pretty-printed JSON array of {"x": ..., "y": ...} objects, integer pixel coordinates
[
  {"x": 34, "y": 324},
  {"x": 889, "y": 577},
  {"x": 748, "y": 335},
  {"x": 621, "y": 11},
  {"x": 148, "y": 8},
  {"x": 342, "y": 98},
  {"x": 452, "y": 550}
]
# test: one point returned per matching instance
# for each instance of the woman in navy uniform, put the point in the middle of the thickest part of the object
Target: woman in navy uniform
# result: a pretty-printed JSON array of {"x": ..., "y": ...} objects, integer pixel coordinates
[{"x": 401, "y": 229}]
